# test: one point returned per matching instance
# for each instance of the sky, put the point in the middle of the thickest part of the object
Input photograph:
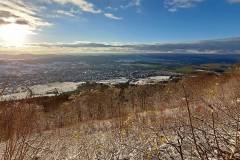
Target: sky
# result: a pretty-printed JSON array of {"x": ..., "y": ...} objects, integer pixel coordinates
[{"x": 79, "y": 26}]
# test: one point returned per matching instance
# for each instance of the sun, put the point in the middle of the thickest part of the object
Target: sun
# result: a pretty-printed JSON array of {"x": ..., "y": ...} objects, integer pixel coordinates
[{"x": 14, "y": 35}]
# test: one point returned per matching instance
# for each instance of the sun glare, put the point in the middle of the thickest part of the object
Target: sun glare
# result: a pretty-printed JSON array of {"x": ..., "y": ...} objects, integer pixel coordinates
[{"x": 14, "y": 35}]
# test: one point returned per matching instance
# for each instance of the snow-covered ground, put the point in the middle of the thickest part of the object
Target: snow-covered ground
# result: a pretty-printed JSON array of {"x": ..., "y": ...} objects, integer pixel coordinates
[
  {"x": 151, "y": 80},
  {"x": 56, "y": 88},
  {"x": 50, "y": 89},
  {"x": 141, "y": 81},
  {"x": 122, "y": 80}
]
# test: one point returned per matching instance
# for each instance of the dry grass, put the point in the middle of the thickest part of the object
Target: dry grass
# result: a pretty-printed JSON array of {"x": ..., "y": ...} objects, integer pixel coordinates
[
  {"x": 196, "y": 118},
  {"x": 19, "y": 130}
]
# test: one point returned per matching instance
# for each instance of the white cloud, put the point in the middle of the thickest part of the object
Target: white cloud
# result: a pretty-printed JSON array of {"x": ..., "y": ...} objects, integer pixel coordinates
[
  {"x": 136, "y": 2},
  {"x": 174, "y": 5},
  {"x": 82, "y": 4},
  {"x": 65, "y": 13},
  {"x": 111, "y": 16},
  {"x": 86, "y": 7},
  {"x": 132, "y": 3},
  {"x": 22, "y": 13}
]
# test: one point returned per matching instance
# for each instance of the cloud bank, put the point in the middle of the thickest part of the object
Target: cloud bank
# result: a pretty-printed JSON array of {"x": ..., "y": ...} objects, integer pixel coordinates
[{"x": 220, "y": 46}]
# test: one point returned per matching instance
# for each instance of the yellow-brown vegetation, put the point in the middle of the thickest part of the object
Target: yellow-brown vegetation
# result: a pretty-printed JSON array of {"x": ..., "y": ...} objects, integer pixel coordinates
[{"x": 195, "y": 118}]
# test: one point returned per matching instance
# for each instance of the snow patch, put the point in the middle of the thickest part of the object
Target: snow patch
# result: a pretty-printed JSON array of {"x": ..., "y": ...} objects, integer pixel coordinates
[
  {"x": 48, "y": 90},
  {"x": 151, "y": 80},
  {"x": 122, "y": 80}
]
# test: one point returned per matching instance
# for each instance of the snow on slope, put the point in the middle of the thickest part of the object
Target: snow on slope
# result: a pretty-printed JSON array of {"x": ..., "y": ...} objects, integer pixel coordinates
[
  {"x": 151, "y": 80},
  {"x": 114, "y": 81},
  {"x": 50, "y": 89},
  {"x": 53, "y": 89}
]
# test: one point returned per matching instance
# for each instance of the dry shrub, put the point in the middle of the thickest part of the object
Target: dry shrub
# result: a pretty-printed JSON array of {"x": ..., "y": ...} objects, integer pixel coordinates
[
  {"x": 208, "y": 126},
  {"x": 18, "y": 123}
]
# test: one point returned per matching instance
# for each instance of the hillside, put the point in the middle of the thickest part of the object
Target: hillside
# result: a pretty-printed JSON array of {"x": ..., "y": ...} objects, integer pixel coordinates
[{"x": 194, "y": 118}]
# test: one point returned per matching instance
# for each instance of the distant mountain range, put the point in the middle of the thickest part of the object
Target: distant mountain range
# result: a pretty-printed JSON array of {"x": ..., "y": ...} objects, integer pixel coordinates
[{"x": 230, "y": 45}]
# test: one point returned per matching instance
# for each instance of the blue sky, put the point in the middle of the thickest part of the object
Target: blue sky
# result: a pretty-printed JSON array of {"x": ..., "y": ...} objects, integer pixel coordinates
[
  {"x": 151, "y": 21},
  {"x": 120, "y": 21}
]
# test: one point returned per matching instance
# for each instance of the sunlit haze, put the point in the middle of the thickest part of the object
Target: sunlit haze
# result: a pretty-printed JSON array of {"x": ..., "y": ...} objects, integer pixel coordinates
[{"x": 14, "y": 35}]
